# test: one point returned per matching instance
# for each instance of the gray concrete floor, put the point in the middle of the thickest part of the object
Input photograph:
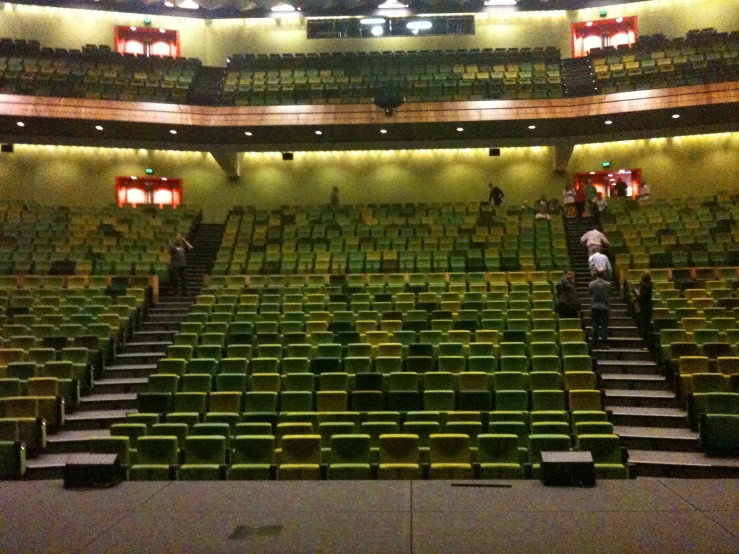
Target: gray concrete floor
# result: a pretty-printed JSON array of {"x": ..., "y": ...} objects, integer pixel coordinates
[{"x": 645, "y": 515}]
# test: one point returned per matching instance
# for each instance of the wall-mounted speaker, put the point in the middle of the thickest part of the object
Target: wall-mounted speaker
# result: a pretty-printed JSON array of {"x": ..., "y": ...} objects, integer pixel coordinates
[
  {"x": 494, "y": 152},
  {"x": 7, "y": 148},
  {"x": 287, "y": 156}
]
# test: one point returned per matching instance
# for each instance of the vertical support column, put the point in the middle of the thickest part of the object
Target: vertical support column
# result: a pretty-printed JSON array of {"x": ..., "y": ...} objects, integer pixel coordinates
[{"x": 229, "y": 162}]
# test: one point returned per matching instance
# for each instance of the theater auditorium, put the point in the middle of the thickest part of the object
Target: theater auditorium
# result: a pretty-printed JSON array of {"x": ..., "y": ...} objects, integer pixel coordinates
[{"x": 394, "y": 276}]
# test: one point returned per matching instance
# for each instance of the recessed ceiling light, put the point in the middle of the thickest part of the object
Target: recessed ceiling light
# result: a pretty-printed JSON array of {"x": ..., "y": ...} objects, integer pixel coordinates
[
  {"x": 248, "y": 133},
  {"x": 589, "y": 24},
  {"x": 592, "y": 172},
  {"x": 162, "y": 31},
  {"x": 164, "y": 178},
  {"x": 133, "y": 178},
  {"x": 609, "y": 122},
  {"x": 676, "y": 116},
  {"x": 99, "y": 127},
  {"x": 21, "y": 124},
  {"x": 460, "y": 129},
  {"x": 172, "y": 132},
  {"x": 133, "y": 28},
  {"x": 383, "y": 131},
  {"x": 372, "y": 21},
  {"x": 619, "y": 19},
  {"x": 319, "y": 132},
  {"x": 532, "y": 126}
]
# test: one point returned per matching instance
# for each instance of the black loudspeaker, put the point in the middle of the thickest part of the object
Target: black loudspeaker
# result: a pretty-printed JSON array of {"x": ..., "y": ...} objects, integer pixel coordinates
[
  {"x": 85, "y": 471},
  {"x": 7, "y": 148},
  {"x": 494, "y": 152},
  {"x": 567, "y": 469},
  {"x": 287, "y": 156}
]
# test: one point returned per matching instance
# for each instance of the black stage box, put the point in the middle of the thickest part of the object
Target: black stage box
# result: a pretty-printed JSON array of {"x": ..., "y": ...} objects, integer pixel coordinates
[
  {"x": 567, "y": 469},
  {"x": 92, "y": 471}
]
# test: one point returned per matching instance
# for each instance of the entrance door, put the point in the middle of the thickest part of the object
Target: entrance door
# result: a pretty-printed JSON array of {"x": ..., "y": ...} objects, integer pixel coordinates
[{"x": 605, "y": 181}]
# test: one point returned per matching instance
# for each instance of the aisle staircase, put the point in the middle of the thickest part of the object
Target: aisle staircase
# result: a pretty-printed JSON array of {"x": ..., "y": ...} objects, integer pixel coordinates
[
  {"x": 127, "y": 374},
  {"x": 642, "y": 402}
]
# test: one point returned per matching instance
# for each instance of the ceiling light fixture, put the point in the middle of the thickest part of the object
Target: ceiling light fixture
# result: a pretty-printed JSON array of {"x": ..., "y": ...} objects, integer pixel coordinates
[
  {"x": 99, "y": 127},
  {"x": 609, "y": 122},
  {"x": 188, "y": 5},
  {"x": 383, "y": 131},
  {"x": 162, "y": 31},
  {"x": 501, "y": 2},
  {"x": 418, "y": 25},
  {"x": 169, "y": 4},
  {"x": 172, "y": 132},
  {"x": 133, "y": 178},
  {"x": 676, "y": 116},
  {"x": 21, "y": 124},
  {"x": 532, "y": 127},
  {"x": 589, "y": 24},
  {"x": 592, "y": 172},
  {"x": 377, "y": 31},
  {"x": 283, "y": 8},
  {"x": 319, "y": 132},
  {"x": 619, "y": 20},
  {"x": 164, "y": 178},
  {"x": 460, "y": 129},
  {"x": 133, "y": 28},
  {"x": 372, "y": 21},
  {"x": 391, "y": 5},
  {"x": 248, "y": 133}
]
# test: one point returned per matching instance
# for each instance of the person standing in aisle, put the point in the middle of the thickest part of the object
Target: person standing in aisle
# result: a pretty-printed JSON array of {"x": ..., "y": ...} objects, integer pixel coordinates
[
  {"x": 594, "y": 241},
  {"x": 334, "y": 198},
  {"x": 580, "y": 198},
  {"x": 642, "y": 295},
  {"x": 569, "y": 201},
  {"x": 600, "y": 309},
  {"x": 590, "y": 193},
  {"x": 568, "y": 304},
  {"x": 495, "y": 196},
  {"x": 178, "y": 265}
]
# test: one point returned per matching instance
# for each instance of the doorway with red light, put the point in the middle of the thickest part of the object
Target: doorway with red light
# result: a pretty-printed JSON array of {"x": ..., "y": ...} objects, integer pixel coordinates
[{"x": 605, "y": 181}]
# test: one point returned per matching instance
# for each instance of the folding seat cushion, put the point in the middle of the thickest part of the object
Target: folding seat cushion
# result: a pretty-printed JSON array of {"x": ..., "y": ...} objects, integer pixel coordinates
[
  {"x": 450, "y": 456},
  {"x": 204, "y": 458},
  {"x": 253, "y": 457},
  {"x": 499, "y": 457},
  {"x": 399, "y": 457},
  {"x": 350, "y": 457},
  {"x": 301, "y": 457}
]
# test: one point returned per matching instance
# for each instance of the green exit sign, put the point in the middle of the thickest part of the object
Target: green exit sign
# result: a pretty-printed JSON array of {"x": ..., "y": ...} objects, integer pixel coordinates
[
  {"x": 606, "y": 164},
  {"x": 603, "y": 13},
  {"x": 149, "y": 171}
]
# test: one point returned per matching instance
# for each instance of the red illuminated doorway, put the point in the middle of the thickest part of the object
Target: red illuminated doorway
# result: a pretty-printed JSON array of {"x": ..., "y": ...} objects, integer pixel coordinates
[
  {"x": 162, "y": 191},
  {"x": 600, "y": 33},
  {"x": 147, "y": 41},
  {"x": 605, "y": 181}
]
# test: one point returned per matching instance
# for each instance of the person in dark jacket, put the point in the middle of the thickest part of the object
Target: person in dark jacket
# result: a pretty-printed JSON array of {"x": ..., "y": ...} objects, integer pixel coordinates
[
  {"x": 178, "y": 265},
  {"x": 495, "y": 196},
  {"x": 643, "y": 304},
  {"x": 600, "y": 309},
  {"x": 568, "y": 304}
]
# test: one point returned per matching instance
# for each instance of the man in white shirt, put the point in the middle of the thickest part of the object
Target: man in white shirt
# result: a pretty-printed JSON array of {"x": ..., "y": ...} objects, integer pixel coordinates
[
  {"x": 594, "y": 239},
  {"x": 600, "y": 262}
]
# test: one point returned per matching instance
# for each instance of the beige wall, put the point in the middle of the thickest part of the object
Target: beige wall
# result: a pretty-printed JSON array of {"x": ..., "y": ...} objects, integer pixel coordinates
[
  {"x": 214, "y": 41},
  {"x": 85, "y": 176},
  {"x": 673, "y": 166}
]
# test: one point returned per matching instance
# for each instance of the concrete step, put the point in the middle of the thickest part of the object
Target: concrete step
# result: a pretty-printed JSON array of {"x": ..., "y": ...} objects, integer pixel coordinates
[
  {"x": 613, "y": 354},
  {"x": 148, "y": 346},
  {"x": 178, "y": 311},
  {"x": 659, "y": 438},
  {"x": 160, "y": 325},
  {"x": 96, "y": 419},
  {"x": 640, "y": 398},
  {"x": 630, "y": 367},
  {"x": 154, "y": 336},
  {"x": 633, "y": 382},
  {"x": 649, "y": 417},
  {"x": 121, "y": 385},
  {"x": 172, "y": 304},
  {"x": 683, "y": 465},
  {"x": 46, "y": 466},
  {"x": 128, "y": 371},
  {"x": 625, "y": 342},
  {"x": 166, "y": 317},
  {"x": 68, "y": 442},
  {"x": 138, "y": 357},
  {"x": 117, "y": 401},
  {"x": 622, "y": 331}
]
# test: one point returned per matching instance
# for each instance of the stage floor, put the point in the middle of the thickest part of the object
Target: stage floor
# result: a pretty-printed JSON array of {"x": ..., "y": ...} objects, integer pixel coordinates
[{"x": 644, "y": 515}]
